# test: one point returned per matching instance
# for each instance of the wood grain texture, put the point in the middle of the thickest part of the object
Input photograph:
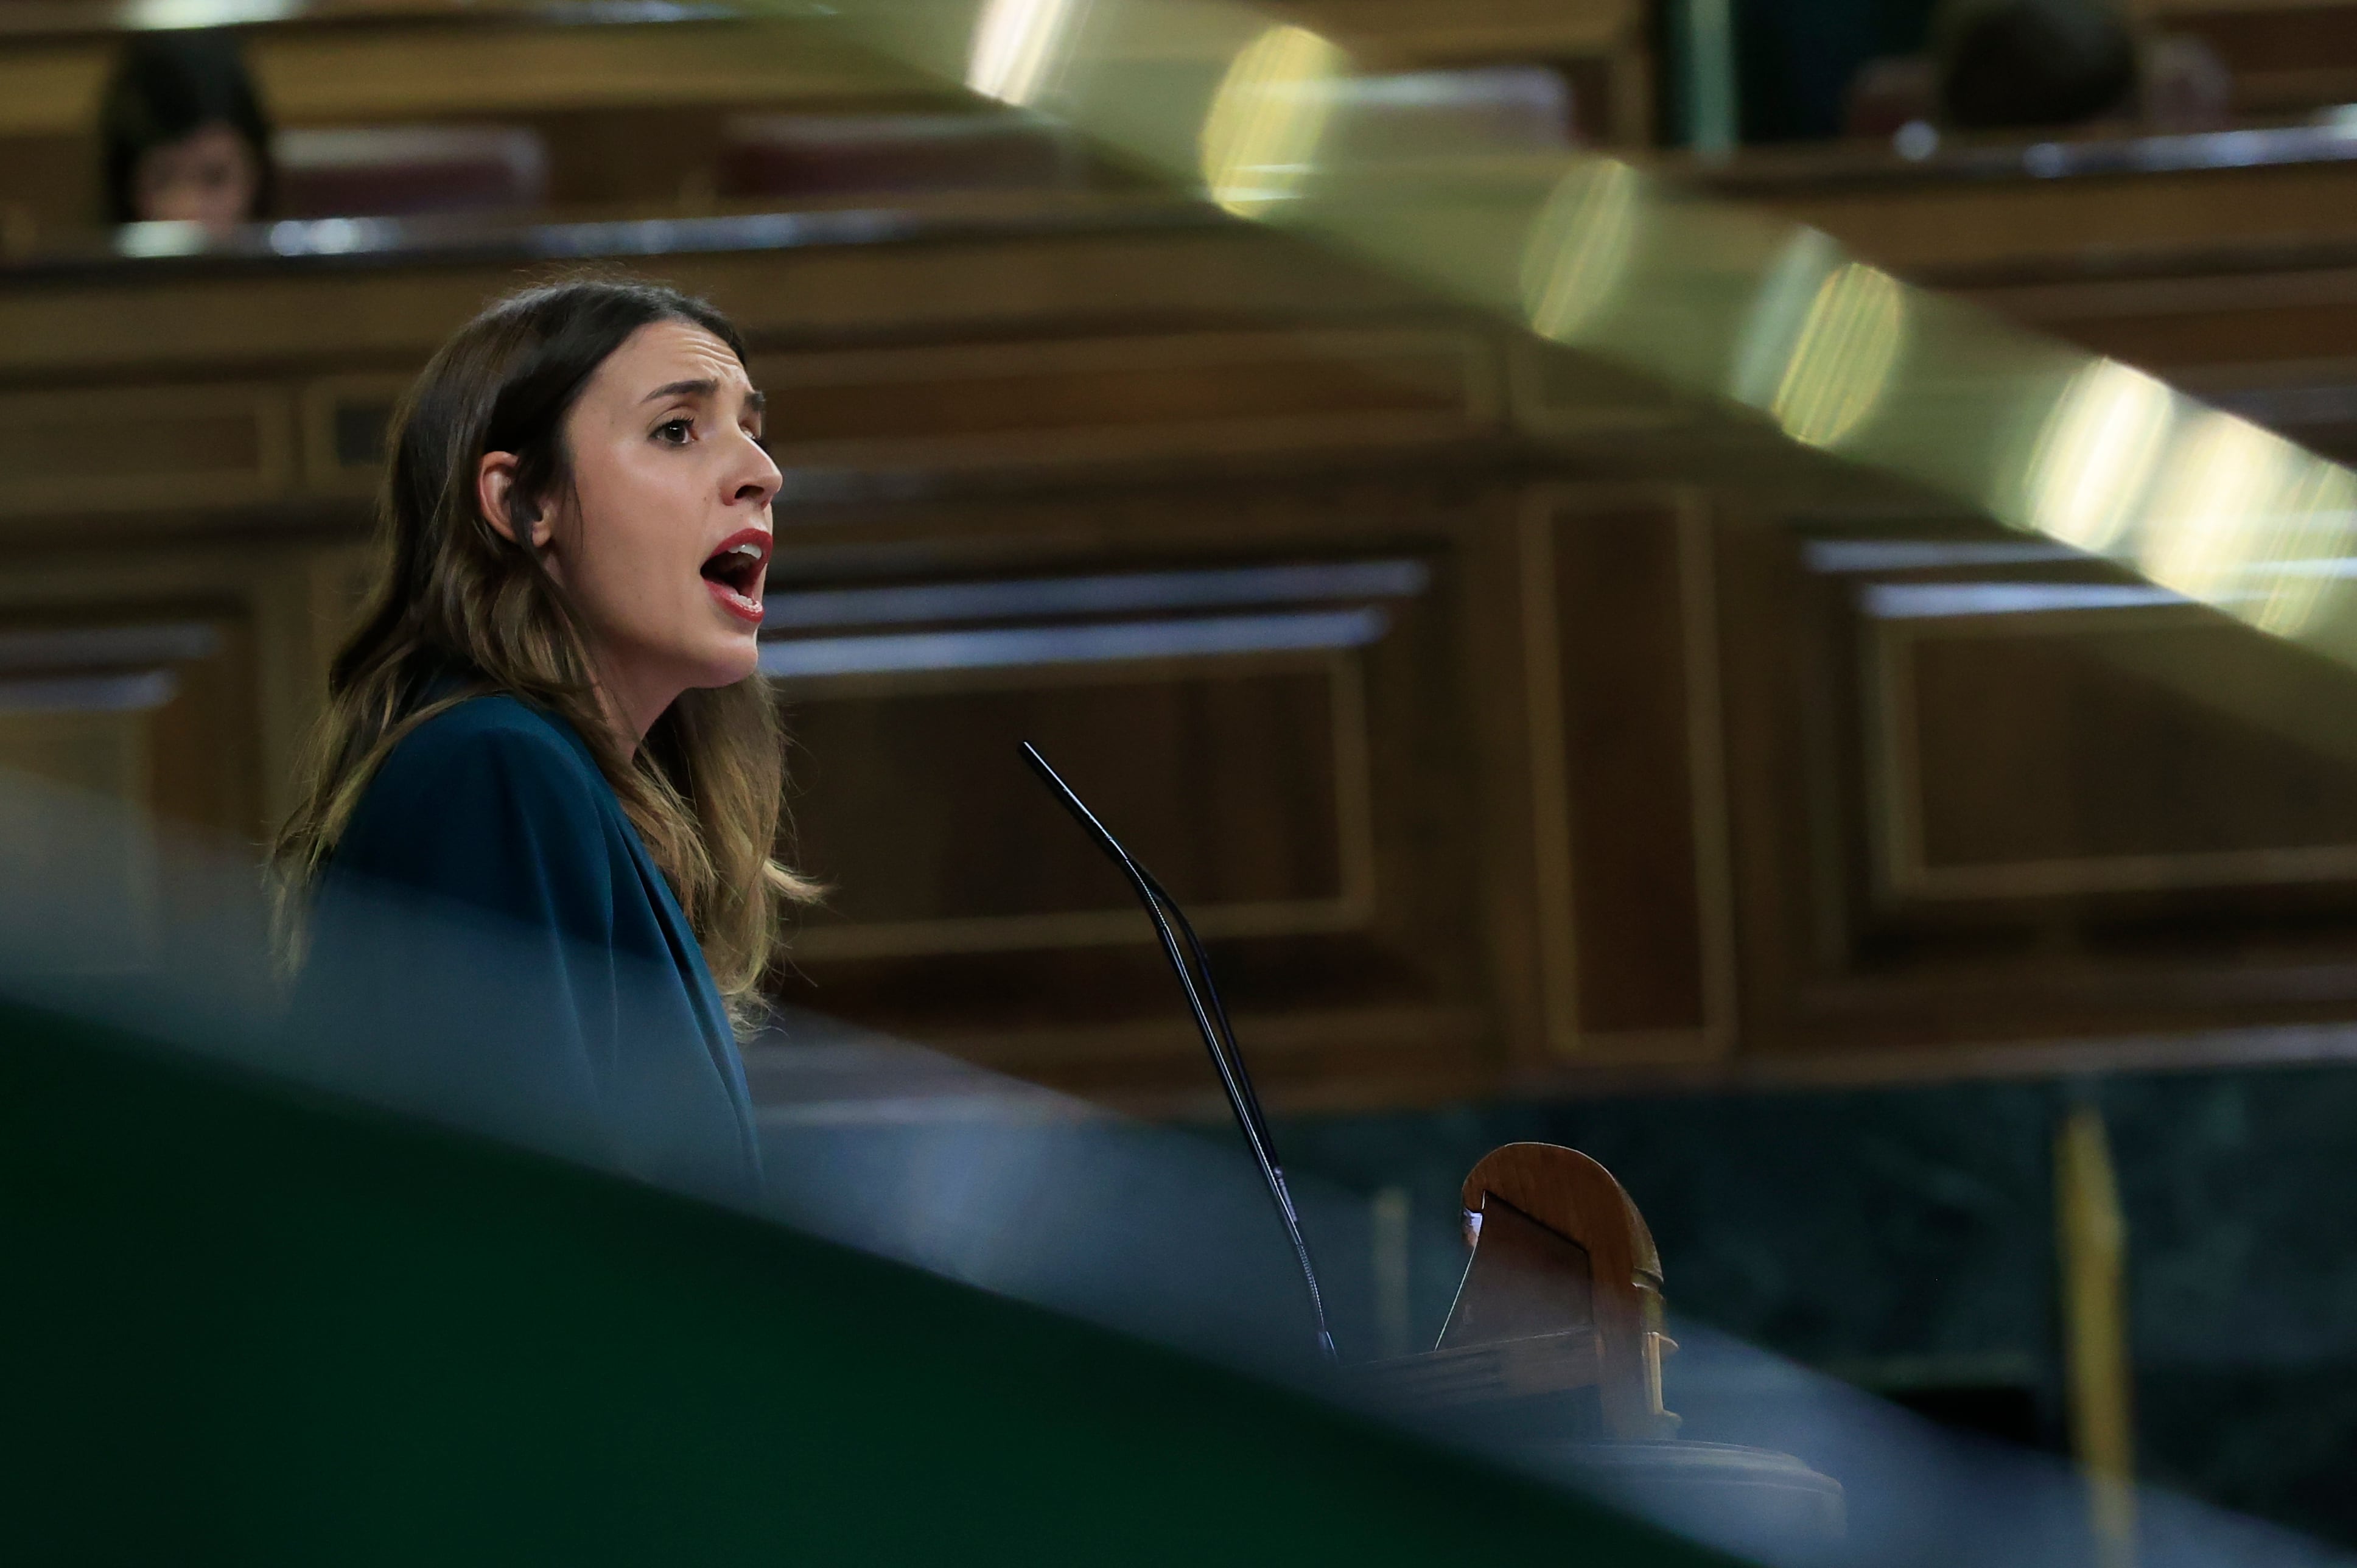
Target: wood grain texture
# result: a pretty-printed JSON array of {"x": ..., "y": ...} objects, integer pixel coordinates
[{"x": 1560, "y": 1247}]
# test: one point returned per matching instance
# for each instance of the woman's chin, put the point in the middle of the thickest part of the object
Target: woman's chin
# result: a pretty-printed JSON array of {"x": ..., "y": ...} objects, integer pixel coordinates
[{"x": 727, "y": 667}]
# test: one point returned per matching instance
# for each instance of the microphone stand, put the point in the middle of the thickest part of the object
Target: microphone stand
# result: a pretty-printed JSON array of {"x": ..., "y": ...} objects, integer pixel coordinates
[{"x": 1212, "y": 1019}]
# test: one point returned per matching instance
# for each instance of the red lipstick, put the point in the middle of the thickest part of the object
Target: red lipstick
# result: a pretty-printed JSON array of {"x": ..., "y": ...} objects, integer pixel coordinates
[{"x": 736, "y": 571}]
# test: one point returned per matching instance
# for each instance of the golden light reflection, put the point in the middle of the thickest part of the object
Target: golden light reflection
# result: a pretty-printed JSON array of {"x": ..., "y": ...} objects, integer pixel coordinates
[
  {"x": 2096, "y": 454},
  {"x": 1017, "y": 44},
  {"x": 1578, "y": 248},
  {"x": 2245, "y": 520},
  {"x": 1261, "y": 135},
  {"x": 1842, "y": 357}
]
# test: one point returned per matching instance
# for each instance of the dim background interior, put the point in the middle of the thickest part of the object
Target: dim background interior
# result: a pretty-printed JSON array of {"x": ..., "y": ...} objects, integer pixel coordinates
[{"x": 1543, "y": 756}]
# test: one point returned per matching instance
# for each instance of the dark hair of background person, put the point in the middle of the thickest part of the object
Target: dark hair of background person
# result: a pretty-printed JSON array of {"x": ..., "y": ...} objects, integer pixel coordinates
[
  {"x": 165, "y": 87},
  {"x": 461, "y": 609},
  {"x": 2023, "y": 63}
]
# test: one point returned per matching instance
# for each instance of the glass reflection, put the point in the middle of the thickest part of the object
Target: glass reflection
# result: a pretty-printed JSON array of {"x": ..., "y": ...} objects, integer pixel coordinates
[
  {"x": 2249, "y": 522},
  {"x": 1261, "y": 135},
  {"x": 1842, "y": 358},
  {"x": 1578, "y": 248},
  {"x": 1017, "y": 44},
  {"x": 2095, "y": 457}
]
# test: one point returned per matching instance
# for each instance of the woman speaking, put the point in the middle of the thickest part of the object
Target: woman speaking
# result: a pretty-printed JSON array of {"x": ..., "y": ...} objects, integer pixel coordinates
[{"x": 533, "y": 865}]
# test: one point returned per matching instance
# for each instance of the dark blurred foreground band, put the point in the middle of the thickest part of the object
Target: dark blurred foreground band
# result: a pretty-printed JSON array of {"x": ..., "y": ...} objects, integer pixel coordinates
[
  {"x": 263, "y": 1325},
  {"x": 273, "y": 1307}
]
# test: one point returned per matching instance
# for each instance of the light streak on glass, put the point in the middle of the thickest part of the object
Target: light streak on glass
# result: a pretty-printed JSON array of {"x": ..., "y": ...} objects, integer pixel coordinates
[
  {"x": 176, "y": 16},
  {"x": 2240, "y": 518},
  {"x": 2096, "y": 454},
  {"x": 1260, "y": 137},
  {"x": 1577, "y": 253},
  {"x": 1017, "y": 44},
  {"x": 1842, "y": 360},
  {"x": 2218, "y": 500},
  {"x": 2289, "y": 595}
]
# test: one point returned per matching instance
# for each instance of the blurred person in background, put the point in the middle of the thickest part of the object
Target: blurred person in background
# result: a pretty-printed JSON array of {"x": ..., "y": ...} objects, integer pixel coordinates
[
  {"x": 2008, "y": 63},
  {"x": 548, "y": 740},
  {"x": 2041, "y": 65},
  {"x": 185, "y": 139}
]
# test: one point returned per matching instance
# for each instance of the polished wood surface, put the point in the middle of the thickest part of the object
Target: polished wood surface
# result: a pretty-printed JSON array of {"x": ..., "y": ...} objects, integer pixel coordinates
[{"x": 1563, "y": 1293}]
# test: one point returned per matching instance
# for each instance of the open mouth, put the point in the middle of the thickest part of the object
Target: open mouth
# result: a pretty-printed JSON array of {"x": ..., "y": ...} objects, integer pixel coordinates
[{"x": 737, "y": 572}]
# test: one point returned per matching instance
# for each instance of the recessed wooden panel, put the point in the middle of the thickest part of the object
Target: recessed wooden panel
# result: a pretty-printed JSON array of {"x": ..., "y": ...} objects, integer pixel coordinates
[
  {"x": 149, "y": 721},
  {"x": 347, "y": 420},
  {"x": 1022, "y": 403},
  {"x": 97, "y": 451},
  {"x": 1568, "y": 397},
  {"x": 1276, "y": 741},
  {"x": 2039, "y": 755},
  {"x": 1230, "y": 780},
  {"x": 1633, "y": 683}
]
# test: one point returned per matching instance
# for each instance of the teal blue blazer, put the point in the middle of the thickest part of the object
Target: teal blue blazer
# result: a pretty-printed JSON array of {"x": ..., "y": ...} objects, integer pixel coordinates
[{"x": 490, "y": 943}]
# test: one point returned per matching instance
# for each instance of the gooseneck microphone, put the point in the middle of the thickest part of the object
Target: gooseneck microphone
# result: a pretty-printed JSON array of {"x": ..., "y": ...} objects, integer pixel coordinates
[{"x": 1211, "y": 1018}]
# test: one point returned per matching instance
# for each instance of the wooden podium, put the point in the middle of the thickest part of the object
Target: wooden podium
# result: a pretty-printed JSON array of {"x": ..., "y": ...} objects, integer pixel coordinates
[{"x": 1556, "y": 1343}]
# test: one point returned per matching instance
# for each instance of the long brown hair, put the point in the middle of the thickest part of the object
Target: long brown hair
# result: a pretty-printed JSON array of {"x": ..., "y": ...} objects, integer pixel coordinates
[{"x": 462, "y": 610}]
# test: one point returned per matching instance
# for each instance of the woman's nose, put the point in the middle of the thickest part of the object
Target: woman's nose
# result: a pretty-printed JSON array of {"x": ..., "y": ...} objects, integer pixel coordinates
[{"x": 756, "y": 478}]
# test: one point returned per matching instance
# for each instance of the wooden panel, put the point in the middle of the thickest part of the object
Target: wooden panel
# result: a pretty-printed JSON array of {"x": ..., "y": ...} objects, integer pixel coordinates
[
  {"x": 2026, "y": 755},
  {"x": 1245, "y": 775},
  {"x": 1626, "y": 725},
  {"x": 1026, "y": 403},
  {"x": 1265, "y": 736},
  {"x": 155, "y": 712},
  {"x": 1987, "y": 788},
  {"x": 1574, "y": 399},
  {"x": 347, "y": 420},
  {"x": 106, "y": 451},
  {"x": 1023, "y": 279}
]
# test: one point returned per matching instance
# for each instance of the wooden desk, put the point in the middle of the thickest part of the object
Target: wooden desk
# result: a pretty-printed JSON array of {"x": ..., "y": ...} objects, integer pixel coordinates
[{"x": 2023, "y": 200}]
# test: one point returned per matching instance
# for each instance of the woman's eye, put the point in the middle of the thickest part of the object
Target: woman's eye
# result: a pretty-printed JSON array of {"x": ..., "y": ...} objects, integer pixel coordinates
[{"x": 675, "y": 432}]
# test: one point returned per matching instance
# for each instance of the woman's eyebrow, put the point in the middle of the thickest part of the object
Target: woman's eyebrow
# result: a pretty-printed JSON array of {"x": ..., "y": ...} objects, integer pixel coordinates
[{"x": 705, "y": 387}]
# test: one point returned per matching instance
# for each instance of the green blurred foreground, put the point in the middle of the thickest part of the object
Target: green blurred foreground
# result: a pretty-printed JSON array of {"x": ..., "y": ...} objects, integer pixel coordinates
[{"x": 249, "y": 1325}]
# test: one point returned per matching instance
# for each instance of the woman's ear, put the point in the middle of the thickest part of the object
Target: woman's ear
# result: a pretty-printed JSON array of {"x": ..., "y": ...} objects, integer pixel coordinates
[{"x": 502, "y": 507}]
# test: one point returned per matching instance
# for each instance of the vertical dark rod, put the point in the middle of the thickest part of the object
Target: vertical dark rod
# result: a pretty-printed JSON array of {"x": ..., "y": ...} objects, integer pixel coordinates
[{"x": 1212, "y": 1020}]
